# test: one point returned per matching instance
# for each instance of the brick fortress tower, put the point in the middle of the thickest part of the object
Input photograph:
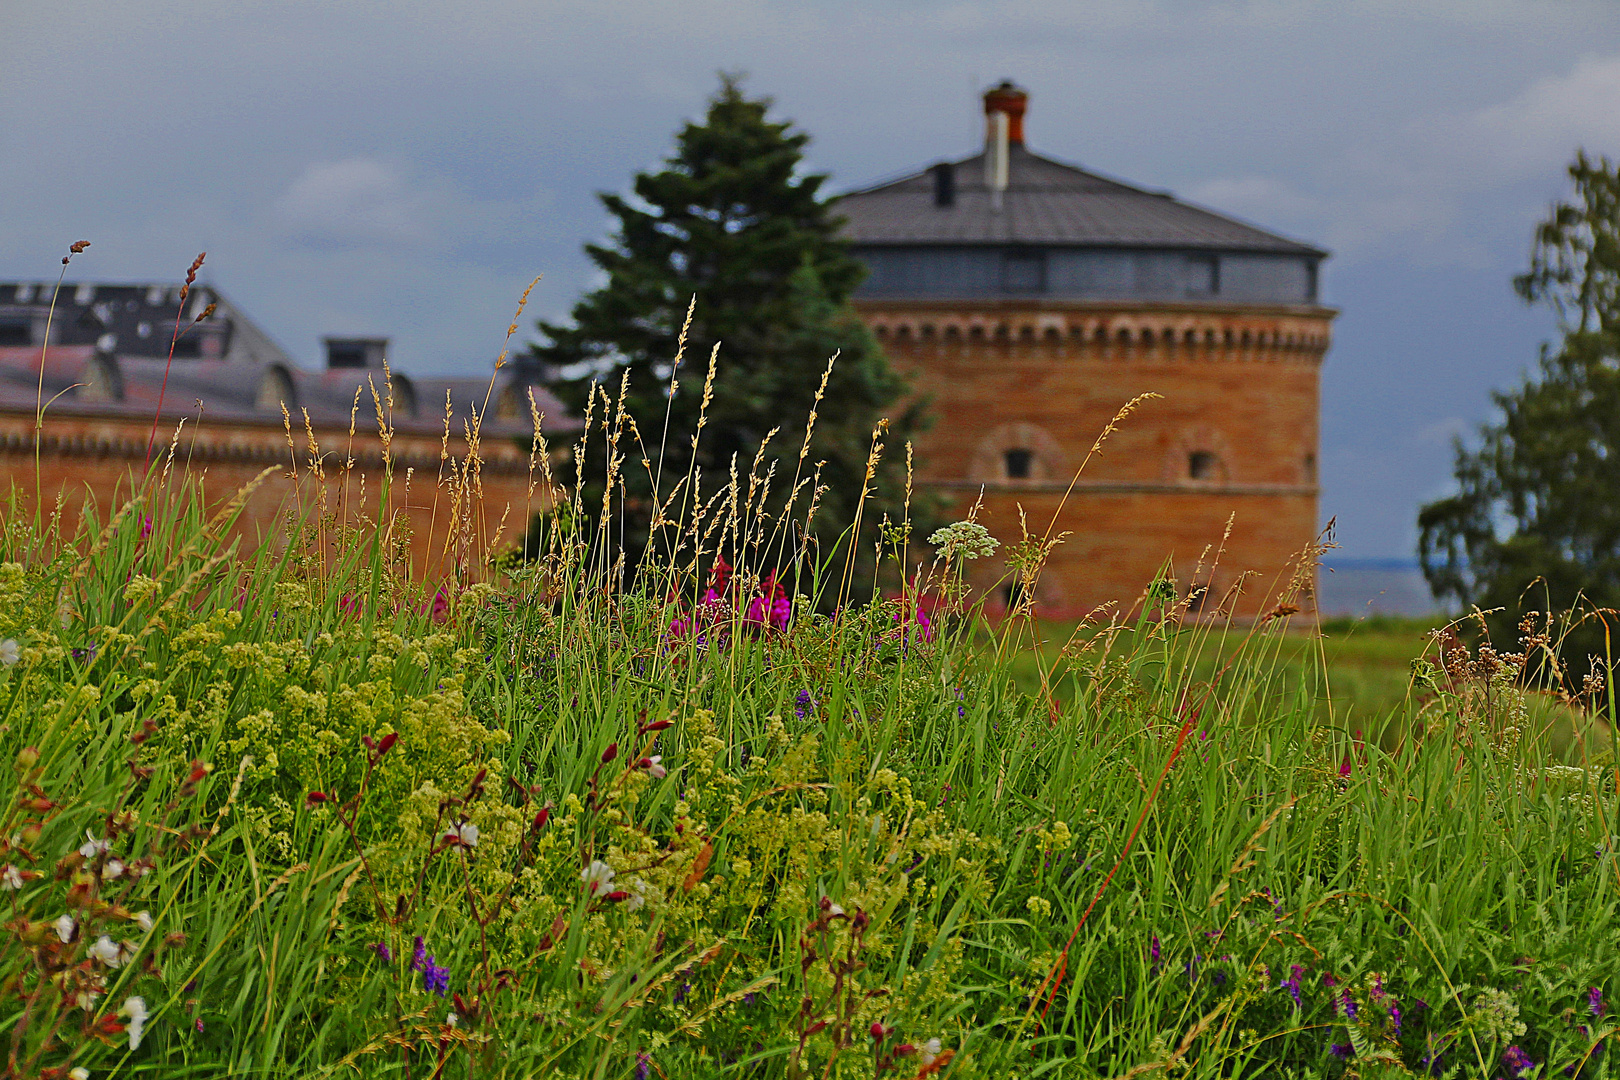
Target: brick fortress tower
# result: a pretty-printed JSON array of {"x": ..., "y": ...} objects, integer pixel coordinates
[{"x": 1030, "y": 299}]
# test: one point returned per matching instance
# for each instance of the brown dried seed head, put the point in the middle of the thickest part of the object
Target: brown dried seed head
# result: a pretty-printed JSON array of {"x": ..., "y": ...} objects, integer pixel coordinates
[{"x": 79, "y": 246}]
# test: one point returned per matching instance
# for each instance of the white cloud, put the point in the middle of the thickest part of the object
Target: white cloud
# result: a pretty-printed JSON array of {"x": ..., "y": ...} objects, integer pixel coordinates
[
  {"x": 1261, "y": 198},
  {"x": 355, "y": 201}
]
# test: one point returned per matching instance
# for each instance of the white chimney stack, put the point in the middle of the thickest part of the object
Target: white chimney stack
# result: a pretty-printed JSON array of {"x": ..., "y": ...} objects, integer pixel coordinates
[{"x": 995, "y": 158}]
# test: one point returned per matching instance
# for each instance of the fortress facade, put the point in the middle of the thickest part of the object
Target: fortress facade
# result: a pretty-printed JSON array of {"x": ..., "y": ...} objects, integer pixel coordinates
[{"x": 1029, "y": 300}]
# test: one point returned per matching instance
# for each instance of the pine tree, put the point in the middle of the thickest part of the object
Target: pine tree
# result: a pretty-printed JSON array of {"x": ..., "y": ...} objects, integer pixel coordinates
[
  {"x": 1536, "y": 520},
  {"x": 733, "y": 228}
]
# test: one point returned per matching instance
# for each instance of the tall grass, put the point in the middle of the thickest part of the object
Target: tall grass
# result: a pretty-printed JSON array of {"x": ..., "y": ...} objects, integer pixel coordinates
[{"x": 333, "y": 822}]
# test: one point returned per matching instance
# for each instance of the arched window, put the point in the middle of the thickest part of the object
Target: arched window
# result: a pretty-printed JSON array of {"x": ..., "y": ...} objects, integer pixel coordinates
[
  {"x": 1203, "y": 465},
  {"x": 1017, "y": 463}
]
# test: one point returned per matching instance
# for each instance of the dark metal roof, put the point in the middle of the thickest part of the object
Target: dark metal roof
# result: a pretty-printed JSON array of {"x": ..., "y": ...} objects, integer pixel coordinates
[
  {"x": 1046, "y": 203},
  {"x": 109, "y": 352}
]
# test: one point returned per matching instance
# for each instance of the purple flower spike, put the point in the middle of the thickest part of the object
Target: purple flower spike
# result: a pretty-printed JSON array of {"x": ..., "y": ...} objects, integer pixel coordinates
[
  {"x": 1348, "y": 1003},
  {"x": 384, "y": 953},
  {"x": 1291, "y": 984},
  {"x": 1517, "y": 1060},
  {"x": 1395, "y": 1014},
  {"x": 643, "y": 1066},
  {"x": 435, "y": 979},
  {"x": 1341, "y": 1051},
  {"x": 1153, "y": 949},
  {"x": 1594, "y": 1001},
  {"x": 420, "y": 958}
]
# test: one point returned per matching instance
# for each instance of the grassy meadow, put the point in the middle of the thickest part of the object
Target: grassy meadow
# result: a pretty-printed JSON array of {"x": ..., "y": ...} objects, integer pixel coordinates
[{"x": 281, "y": 810}]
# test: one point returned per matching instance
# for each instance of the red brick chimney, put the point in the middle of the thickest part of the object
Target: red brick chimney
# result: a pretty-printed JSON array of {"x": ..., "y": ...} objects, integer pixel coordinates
[{"x": 1011, "y": 99}]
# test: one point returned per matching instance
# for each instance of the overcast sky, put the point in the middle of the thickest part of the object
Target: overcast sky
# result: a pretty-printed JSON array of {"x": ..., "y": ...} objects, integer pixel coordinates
[{"x": 405, "y": 169}]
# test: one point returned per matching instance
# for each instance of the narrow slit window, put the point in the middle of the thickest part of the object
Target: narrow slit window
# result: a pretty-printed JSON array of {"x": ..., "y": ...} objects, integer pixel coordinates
[
  {"x": 1203, "y": 465},
  {"x": 1018, "y": 463}
]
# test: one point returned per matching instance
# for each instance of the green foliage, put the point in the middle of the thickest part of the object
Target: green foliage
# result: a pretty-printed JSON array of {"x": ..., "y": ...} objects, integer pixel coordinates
[
  {"x": 1535, "y": 522},
  {"x": 535, "y": 826},
  {"x": 734, "y": 236}
]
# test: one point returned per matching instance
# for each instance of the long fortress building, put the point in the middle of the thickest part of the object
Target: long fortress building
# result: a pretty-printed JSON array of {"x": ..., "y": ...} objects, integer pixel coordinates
[{"x": 1029, "y": 300}]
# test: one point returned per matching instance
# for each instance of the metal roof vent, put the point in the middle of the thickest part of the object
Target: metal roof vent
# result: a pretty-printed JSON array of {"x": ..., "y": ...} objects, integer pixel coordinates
[{"x": 944, "y": 184}]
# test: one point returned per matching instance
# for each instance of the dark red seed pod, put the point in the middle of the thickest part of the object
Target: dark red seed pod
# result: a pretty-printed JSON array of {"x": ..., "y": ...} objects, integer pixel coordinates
[
  {"x": 659, "y": 725},
  {"x": 878, "y": 1030},
  {"x": 314, "y": 799},
  {"x": 541, "y": 818},
  {"x": 387, "y": 743},
  {"x": 815, "y": 1027},
  {"x": 610, "y": 753},
  {"x": 370, "y": 745},
  {"x": 616, "y": 896}
]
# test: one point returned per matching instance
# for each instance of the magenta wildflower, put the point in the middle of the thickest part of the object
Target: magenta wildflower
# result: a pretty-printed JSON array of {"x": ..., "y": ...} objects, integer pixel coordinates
[
  {"x": 384, "y": 953},
  {"x": 1348, "y": 1003},
  {"x": 1342, "y": 1051},
  {"x": 643, "y": 1066},
  {"x": 1395, "y": 1014},
  {"x": 1594, "y": 1001},
  {"x": 199, "y": 1025}
]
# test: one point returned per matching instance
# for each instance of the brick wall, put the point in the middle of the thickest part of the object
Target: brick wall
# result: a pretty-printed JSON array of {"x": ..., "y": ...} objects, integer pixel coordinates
[
  {"x": 86, "y": 456},
  {"x": 1237, "y": 384}
]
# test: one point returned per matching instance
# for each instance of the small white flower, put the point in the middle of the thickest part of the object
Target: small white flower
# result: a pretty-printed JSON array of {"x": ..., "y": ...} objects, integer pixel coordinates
[
  {"x": 11, "y": 878},
  {"x": 91, "y": 846},
  {"x": 64, "y": 928},
  {"x": 453, "y": 1020},
  {"x": 79, "y": 1072},
  {"x": 87, "y": 999},
  {"x": 9, "y": 653},
  {"x": 143, "y": 919},
  {"x": 654, "y": 769},
  {"x": 596, "y": 876},
  {"x": 107, "y": 951},
  {"x": 465, "y": 834},
  {"x": 834, "y": 911},
  {"x": 928, "y": 1051},
  {"x": 135, "y": 1009},
  {"x": 638, "y": 895},
  {"x": 113, "y": 868}
]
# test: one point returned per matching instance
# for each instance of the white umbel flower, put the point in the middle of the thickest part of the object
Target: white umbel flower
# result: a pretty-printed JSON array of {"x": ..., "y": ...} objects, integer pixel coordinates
[
  {"x": 107, "y": 951},
  {"x": 135, "y": 1009},
  {"x": 9, "y": 652},
  {"x": 64, "y": 928},
  {"x": 596, "y": 876}
]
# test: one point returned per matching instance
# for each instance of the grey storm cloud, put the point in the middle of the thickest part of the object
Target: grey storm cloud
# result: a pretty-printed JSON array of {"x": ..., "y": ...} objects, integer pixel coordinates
[{"x": 408, "y": 168}]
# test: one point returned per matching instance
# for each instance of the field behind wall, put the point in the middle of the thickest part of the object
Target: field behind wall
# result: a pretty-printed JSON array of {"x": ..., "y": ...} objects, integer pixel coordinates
[{"x": 285, "y": 808}]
